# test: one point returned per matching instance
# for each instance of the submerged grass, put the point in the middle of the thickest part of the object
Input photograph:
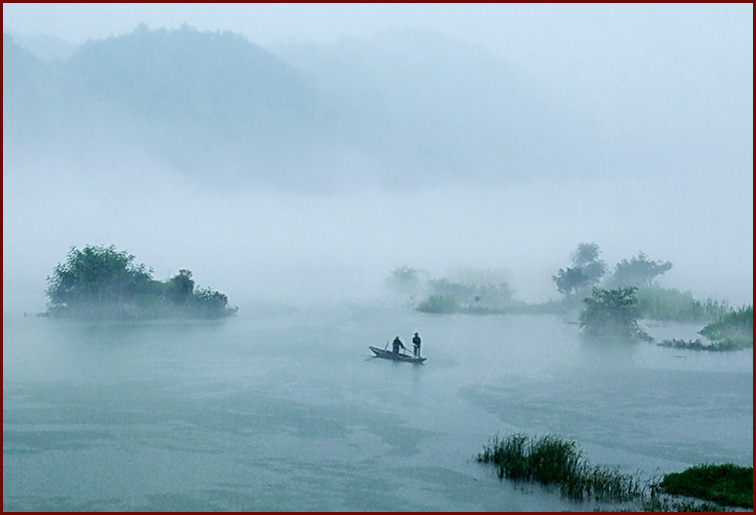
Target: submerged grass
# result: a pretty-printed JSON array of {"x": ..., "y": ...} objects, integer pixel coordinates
[
  {"x": 551, "y": 460},
  {"x": 732, "y": 331},
  {"x": 735, "y": 327},
  {"x": 697, "y": 344}
]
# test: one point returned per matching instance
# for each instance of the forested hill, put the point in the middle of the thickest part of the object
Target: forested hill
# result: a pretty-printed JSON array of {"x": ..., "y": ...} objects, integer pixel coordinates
[
  {"x": 405, "y": 107},
  {"x": 31, "y": 95},
  {"x": 202, "y": 102}
]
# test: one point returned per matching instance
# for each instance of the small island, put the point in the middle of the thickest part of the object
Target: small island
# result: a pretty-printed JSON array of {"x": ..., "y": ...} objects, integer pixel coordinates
[{"x": 102, "y": 282}]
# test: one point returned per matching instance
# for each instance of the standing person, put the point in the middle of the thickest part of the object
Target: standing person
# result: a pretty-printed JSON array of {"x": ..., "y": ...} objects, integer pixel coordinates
[
  {"x": 398, "y": 343},
  {"x": 416, "y": 345}
]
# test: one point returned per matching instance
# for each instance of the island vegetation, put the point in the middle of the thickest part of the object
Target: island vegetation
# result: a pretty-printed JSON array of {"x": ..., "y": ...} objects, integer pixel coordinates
[
  {"x": 730, "y": 331},
  {"x": 586, "y": 270},
  {"x": 103, "y": 282},
  {"x": 613, "y": 314},
  {"x": 607, "y": 303},
  {"x": 554, "y": 461}
]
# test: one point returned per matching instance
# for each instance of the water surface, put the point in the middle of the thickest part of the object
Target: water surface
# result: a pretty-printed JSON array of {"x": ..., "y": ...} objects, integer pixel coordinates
[{"x": 283, "y": 408}]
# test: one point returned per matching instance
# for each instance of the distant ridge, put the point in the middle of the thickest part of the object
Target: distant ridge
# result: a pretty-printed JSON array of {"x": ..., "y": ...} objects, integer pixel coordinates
[{"x": 400, "y": 109}]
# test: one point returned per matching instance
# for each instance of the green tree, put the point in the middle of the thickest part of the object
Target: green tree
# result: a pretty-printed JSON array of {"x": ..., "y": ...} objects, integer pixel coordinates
[
  {"x": 97, "y": 276},
  {"x": 612, "y": 314},
  {"x": 181, "y": 287},
  {"x": 587, "y": 270},
  {"x": 638, "y": 271},
  {"x": 587, "y": 258},
  {"x": 404, "y": 280},
  {"x": 208, "y": 303},
  {"x": 571, "y": 280}
]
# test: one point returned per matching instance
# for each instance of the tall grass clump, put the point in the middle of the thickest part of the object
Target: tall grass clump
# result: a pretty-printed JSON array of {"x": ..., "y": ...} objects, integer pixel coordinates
[
  {"x": 697, "y": 344},
  {"x": 659, "y": 303},
  {"x": 737, "y": 326},
  {"x": 551, "y": 460}
]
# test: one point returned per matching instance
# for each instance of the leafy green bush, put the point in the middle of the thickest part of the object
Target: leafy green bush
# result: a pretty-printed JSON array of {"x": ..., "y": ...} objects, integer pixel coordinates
[
  {"x": 439, "y": 304},
  {"x": 728, "y": 484},
  {"x": 736, "y": 326},
  {"x": 612, "y": 314}
]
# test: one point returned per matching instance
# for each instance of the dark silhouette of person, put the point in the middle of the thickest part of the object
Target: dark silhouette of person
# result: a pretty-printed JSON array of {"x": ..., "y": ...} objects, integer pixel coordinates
[
  {"x": 416, "y": 345},
  {"x": 398, "y": 343}
]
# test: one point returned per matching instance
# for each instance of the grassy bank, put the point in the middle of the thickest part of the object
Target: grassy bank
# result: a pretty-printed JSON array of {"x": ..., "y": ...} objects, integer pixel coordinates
[
  {"x": 729, "y": 485},
  {"x": 550, "y": 460}
]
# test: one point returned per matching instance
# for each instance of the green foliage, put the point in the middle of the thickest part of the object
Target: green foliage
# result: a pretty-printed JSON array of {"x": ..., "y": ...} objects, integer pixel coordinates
[
  {"x": 639, "y": 271},
  {"x": 472, "y": 291},
  {"x": 208, "y": 303},
  {"x": 480, "y": 295},
  {"x": 439, "y": 304},
  {"x": 587, "y": 270},
  {"x": 612, "y": 314},
  {"x": 571, "y": 280},
  {"x": 104, "y": 282},
  {"x": 697, "y": 344},
  {"x": 587, "y": 258},
  {"x": 404, "y": 280},
  {"x": 727, "y": 484},
  {"x": 180, "y": 288},
  {"x": 551, "y": 460},
  {"x": 448, "y": 288},
  {"x": 735, "y": 326},
  {"x": 659, "y": 303},
  {"x": 96, "y": 276}
]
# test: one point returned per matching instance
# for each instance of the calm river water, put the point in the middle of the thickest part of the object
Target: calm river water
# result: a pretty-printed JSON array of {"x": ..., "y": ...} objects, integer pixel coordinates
[{"x": 282, "y": 408}]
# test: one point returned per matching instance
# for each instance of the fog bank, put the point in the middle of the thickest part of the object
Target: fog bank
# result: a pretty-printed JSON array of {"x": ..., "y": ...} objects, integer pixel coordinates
[{"x": 255, "y": 245}]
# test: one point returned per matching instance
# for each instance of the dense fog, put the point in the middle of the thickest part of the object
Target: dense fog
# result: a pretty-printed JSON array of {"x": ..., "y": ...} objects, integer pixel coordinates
[{"x": 298, "y": 169}]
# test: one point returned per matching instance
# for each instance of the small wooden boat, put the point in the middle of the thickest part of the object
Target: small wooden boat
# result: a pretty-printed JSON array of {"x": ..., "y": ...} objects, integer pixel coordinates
[{"x": 396, "y": 356}]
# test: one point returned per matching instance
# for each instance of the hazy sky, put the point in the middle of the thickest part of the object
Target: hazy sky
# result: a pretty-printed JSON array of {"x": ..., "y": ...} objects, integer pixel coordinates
[{"x": 672, "y": 71}]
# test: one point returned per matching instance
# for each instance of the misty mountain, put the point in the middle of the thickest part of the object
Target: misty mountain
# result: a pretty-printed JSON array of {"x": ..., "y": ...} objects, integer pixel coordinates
[
  {"x": 207, "y": 103},
  {"x": 219, "y": 81},
  {"x": 45, "y": 46},
  {"x": 403, "y": 108},
  {"x": 31, "y": 97},
  {"x": 456, "y": 108}
]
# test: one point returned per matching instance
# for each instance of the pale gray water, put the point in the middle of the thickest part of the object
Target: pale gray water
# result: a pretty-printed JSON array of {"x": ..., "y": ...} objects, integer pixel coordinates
[{"x": 283, "y": 409}]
